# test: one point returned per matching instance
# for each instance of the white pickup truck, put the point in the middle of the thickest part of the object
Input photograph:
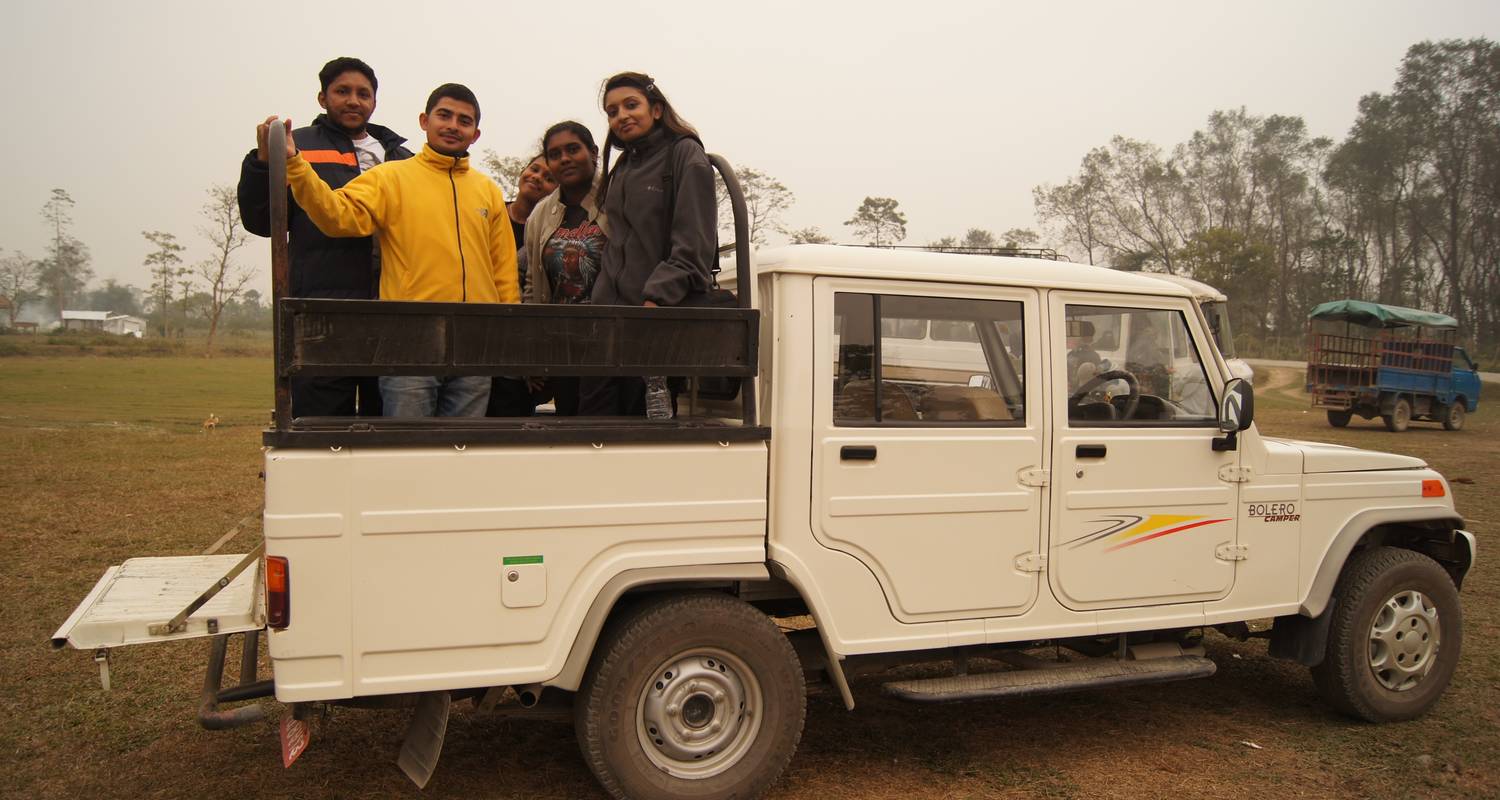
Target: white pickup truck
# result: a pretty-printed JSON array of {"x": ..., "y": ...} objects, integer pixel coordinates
[{"x": 678, "y": 583}]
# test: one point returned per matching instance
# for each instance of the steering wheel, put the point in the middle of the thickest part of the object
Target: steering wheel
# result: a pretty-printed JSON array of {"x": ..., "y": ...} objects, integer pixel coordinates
[{"x": 1131, "y": 400}]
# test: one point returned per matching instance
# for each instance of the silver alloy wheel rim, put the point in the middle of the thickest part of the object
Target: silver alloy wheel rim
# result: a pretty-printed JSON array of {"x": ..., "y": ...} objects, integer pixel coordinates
[
  {"x": 699, "y": 713},
  {"x": 1404, "y": 640}
]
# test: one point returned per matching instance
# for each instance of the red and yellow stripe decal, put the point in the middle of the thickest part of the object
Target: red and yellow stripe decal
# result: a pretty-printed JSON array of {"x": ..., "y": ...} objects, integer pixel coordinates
[{"x": 1155, "y": 527}]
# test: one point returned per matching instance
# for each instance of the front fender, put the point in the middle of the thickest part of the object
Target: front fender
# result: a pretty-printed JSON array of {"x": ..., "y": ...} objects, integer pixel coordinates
[{"x": 1360, "y": 524}]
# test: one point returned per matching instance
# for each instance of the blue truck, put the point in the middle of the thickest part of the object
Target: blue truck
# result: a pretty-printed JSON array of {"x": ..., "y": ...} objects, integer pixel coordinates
[{"x": 1399, "y": 364}]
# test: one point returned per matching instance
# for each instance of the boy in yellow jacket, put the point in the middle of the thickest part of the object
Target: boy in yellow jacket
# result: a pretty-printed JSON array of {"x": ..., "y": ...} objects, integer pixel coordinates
[{"x": 443, "y": 233}]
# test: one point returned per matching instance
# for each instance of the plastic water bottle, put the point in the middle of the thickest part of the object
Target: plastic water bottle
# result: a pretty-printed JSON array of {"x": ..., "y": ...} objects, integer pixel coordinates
[{"x": 658, "y": 398}]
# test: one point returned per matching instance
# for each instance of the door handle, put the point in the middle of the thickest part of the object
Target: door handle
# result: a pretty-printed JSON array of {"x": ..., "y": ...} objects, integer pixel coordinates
[
  {"x": 857, "y": 452},
  {"x": 1091, "y": 451}
]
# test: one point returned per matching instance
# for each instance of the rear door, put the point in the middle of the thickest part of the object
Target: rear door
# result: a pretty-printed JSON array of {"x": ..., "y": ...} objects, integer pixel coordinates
[
  {"x": 926, "y": 439},
  {"x": 1143, "y": 504}
]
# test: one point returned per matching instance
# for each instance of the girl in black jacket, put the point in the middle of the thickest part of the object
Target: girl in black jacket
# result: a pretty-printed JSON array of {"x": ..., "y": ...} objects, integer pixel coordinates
[{"x": 659, "y": 200}]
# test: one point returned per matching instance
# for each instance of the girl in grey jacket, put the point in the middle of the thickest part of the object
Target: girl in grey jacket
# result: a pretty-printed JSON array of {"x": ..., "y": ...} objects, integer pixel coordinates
[{"x": 659, "y": 200}]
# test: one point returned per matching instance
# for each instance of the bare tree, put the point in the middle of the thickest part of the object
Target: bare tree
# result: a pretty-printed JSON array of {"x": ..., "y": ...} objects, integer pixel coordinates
[
  {"x": 765, "y": 199},
  {"x": 506, "y": 170},
  {"x": 878, "y": 221},
  {"x": 65, "y": 270},
  {"x": 164, "y": 264},
  {"x": 1075, "y": 209},
  {"x": 17, "y": 276},
  {"x": 222, "y": 277}
]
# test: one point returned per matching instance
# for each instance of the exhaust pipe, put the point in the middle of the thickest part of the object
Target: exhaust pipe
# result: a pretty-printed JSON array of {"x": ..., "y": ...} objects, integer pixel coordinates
[{"x": 529, "y": 695}]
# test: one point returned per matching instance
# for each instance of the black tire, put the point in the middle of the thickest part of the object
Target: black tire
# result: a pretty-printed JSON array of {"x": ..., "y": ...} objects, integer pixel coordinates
[
  {"x": 1453, "y": 420},
  {"x": 1339, "y": 419},
  {"x": 662, "y": 712},
  {"x": 1385, "y": 603},
  {"x": 1400, "y": 417}
]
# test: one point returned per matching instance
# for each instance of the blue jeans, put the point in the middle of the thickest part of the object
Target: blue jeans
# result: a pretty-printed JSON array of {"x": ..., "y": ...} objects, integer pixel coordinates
[{"x": 430, "y": 396}]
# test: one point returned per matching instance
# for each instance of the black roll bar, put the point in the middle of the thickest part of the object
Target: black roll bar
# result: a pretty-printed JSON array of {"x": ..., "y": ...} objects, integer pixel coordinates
[
  {"x": 744, "y": 281},
  {"x": 281, "y": 272}
]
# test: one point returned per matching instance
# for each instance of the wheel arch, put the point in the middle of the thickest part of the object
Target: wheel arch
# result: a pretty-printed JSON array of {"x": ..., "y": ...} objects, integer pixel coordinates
[
  {"x": 723, "y": 577},
  {"x": 1436, "y": 533},
  {"x": 1432, "y": 531}
]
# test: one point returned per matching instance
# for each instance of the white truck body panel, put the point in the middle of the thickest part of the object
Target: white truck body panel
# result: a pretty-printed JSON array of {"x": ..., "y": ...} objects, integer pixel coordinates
[{"x": 401, "y": 559}]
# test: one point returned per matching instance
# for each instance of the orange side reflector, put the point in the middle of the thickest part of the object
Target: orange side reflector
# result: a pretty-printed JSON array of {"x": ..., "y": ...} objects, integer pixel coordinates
[{"x": 1432, "y": 489}]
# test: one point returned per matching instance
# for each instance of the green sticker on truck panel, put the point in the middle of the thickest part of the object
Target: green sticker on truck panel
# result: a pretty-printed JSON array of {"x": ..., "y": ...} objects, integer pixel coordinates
[{"x": 511, "y": 561}]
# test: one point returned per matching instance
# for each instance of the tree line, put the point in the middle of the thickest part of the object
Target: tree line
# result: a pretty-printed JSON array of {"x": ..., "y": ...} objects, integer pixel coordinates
[
  {"x": 210, "y": 293},
  {"x": 877, "y": 221},
  {"x": 1405, "y": 210}
]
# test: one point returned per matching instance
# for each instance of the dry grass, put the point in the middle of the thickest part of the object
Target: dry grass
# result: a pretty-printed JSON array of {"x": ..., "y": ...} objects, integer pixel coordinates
[{"x": 105, "y": 460}]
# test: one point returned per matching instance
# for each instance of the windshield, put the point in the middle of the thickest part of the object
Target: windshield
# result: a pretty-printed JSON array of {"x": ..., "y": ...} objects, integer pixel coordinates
[{"x": 1217, "y": 314}]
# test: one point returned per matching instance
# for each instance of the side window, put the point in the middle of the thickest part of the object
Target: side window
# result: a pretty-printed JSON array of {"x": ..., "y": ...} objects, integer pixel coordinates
[
  {"x": 936, "y": 360},
  {"x": 1144, "y": 370}
]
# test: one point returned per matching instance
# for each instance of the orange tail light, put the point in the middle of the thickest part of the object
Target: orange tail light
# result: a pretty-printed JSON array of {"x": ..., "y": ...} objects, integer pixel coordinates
[
  {"x": 1431, "y": 488},
  {"x": 278, "y": 592}
]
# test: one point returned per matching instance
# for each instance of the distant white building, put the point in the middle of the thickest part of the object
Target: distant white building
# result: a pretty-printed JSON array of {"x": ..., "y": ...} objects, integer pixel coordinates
[{"x": 119, "y": 324}]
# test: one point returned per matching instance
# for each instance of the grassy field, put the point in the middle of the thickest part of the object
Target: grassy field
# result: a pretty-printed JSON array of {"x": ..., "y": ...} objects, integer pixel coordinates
[{"x": 105, "y": 458}]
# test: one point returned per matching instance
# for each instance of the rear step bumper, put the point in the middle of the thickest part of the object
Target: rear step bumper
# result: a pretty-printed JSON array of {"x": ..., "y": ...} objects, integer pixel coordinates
[{"x": 1092, "y": 674}]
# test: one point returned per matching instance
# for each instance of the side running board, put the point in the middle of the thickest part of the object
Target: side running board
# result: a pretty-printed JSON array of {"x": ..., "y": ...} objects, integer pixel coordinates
[{"x": 1092, "y": 674}]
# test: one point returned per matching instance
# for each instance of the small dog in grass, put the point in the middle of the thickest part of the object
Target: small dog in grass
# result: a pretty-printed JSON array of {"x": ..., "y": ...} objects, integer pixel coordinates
[{"x": 210, "y": 423}]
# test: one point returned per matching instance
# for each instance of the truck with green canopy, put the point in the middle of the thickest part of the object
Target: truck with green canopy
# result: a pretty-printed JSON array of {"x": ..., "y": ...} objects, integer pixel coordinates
[{"x": 1399, "y": 364}]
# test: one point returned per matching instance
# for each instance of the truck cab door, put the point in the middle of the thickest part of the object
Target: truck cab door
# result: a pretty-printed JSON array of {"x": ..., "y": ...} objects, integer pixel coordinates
[
  {"x": 928, "y": 450},
  {"x": 1143, "y": 506}
]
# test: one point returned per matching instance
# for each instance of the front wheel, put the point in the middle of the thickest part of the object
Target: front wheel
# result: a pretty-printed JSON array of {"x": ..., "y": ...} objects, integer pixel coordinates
[
  {"x": 1454, "y": 419},
  {"x": 1395, "y": 636},
  {"x": 1339, "y": 419},
  {"x": 1400, "y": 417},
  {"x": 691, "y": 696}
]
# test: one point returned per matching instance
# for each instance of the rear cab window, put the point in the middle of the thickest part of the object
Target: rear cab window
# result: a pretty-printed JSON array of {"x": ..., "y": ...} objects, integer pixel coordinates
[{"x": 936, "y": 361}]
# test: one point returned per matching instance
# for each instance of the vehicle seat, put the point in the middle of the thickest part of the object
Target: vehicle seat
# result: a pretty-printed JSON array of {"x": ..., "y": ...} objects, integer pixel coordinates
[
  {"x": 857, "y": 401},
  {"x": 964, "y": 403}
]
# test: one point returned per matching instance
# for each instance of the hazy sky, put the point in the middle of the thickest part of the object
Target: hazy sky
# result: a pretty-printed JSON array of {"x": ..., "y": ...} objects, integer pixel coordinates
[{"x": 956, "y": 109}]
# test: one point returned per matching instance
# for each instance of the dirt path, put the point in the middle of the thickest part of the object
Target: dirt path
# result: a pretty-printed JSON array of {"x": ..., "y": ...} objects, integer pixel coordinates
[{"x": 1283, "y": 381}]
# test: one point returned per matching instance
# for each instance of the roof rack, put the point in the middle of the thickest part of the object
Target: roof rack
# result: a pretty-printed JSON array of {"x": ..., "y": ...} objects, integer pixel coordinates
[{"x": 1045, "y": 253}]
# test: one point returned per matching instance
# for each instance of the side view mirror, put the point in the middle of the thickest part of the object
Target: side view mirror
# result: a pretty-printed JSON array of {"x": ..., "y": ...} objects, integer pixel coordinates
[{"x": 1236, "y": 413}]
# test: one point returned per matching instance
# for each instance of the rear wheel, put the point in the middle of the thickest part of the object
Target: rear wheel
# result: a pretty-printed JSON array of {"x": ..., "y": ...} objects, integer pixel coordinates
[
  {"x": 1394, "y": 639},
  {"x": 1339, "y": 419},
  {"x": 1454, "y": 419},
  {"x": 1400, "y": 417},
  {"x": 691, "y": 696}
]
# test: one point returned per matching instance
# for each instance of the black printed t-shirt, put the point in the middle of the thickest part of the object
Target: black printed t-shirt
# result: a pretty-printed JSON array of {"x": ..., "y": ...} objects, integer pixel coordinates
[{"x": 571, "y": 256}]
